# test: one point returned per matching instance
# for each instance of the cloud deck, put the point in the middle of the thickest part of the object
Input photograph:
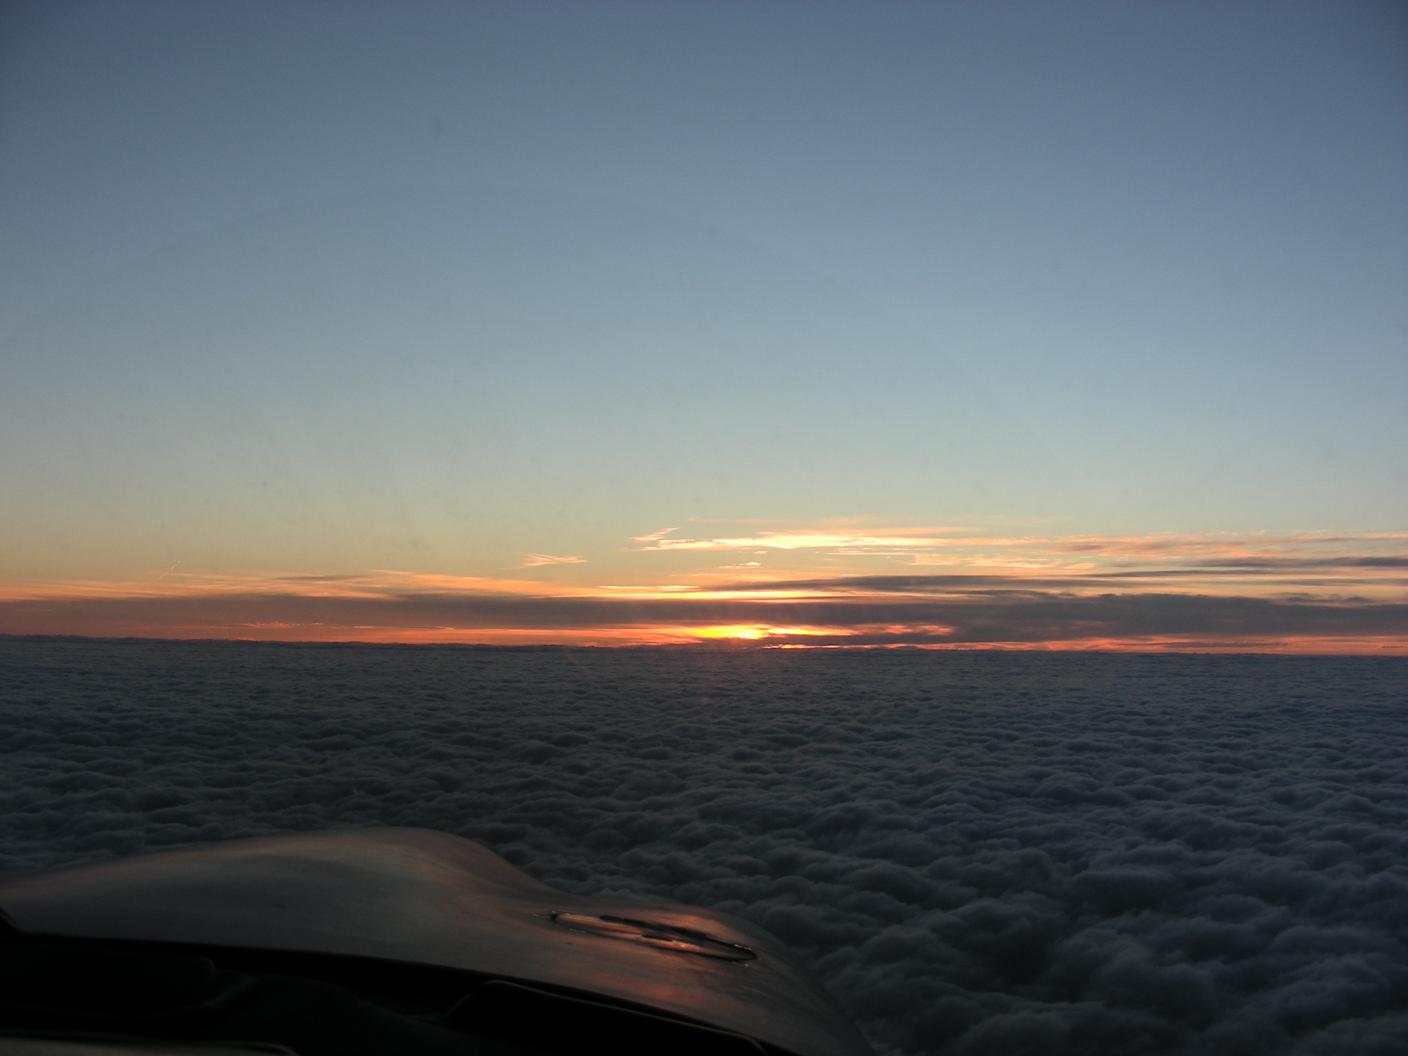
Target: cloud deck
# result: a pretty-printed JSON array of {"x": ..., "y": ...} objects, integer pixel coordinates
[{"x": 976, "y": 852}]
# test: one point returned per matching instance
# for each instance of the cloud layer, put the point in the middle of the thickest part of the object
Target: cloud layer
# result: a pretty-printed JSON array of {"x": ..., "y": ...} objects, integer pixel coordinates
[
  {"x": 978, "y": 853},
  {"x": 914, "y": 610},
  {"x": 934, "y": 587}
]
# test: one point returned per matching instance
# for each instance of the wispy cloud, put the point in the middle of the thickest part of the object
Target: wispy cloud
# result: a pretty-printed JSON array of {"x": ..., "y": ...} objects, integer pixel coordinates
[
  {"x": 377, "y": 583},
  {"x": 652, "y": 537},
  {"x": 543, "y": 560},
  {"x": 801, "y": 539},
  {"x": 946, "y": 543}
]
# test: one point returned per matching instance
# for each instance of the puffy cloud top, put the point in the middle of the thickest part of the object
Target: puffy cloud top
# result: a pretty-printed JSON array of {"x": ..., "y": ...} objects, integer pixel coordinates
[{"x": 977, "y": 853}]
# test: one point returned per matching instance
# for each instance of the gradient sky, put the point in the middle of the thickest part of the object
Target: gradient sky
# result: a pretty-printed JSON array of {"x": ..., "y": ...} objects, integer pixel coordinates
[{"x": 1016, "y": 323}]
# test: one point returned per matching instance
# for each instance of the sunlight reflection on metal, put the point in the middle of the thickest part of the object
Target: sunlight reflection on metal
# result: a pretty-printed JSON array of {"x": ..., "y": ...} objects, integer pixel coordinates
[{"x": 654, "y": 933}]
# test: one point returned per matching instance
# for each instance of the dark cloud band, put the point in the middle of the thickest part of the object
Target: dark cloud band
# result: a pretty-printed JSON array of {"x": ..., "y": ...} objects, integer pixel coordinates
[{"x": 984, "y": 615}]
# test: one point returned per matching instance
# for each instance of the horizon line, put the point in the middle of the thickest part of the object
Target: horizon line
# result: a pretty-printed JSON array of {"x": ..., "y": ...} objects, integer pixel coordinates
[{"x": 716, "y": 645}]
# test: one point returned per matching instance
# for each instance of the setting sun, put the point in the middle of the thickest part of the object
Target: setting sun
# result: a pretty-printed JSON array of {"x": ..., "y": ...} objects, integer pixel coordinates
[{"x": 742, "y": 632}]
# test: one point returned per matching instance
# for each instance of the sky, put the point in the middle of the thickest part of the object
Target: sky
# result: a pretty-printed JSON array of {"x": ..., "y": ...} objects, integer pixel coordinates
[{"x": 1005, "y": 325}]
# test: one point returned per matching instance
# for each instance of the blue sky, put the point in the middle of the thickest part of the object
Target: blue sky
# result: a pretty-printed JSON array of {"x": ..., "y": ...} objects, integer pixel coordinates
[{"x": 327, "y": 289}]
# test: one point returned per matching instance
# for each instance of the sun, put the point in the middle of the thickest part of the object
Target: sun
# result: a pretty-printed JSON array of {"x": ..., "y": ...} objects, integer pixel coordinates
[{"x": 736, "y": 631}]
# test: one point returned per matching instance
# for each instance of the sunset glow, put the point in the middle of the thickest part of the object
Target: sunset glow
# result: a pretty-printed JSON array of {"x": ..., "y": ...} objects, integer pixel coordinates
[
  {"x": 1263, "y": 592},
  {"x": 740, "y": 633}
]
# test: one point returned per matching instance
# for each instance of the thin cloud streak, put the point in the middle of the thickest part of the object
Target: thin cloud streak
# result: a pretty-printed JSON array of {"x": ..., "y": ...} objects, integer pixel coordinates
[
  {"x": 374, "y": 584},
  {"x": 967, "y": 582},
  {"x": 653, "y": 537},
  {"x": 545, "y": 560},
  {"x": 812, "y": 539},
  {"x": 1250, "y": 562}
]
